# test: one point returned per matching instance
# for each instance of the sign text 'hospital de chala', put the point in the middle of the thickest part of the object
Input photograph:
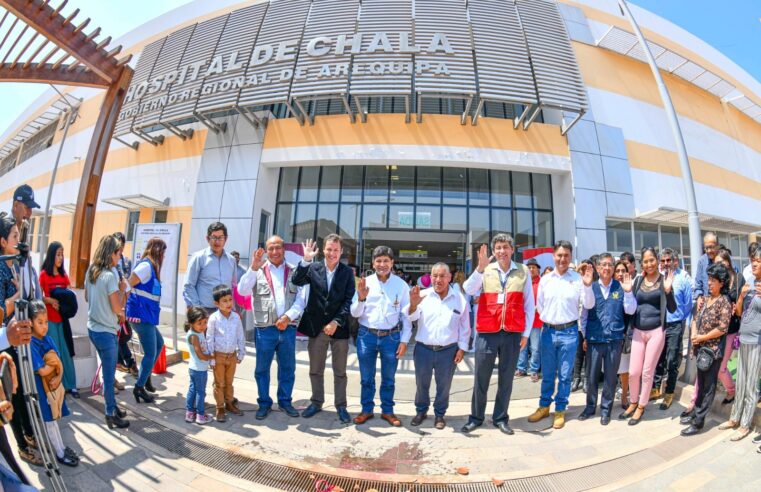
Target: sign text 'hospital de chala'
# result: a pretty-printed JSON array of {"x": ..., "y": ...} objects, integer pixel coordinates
[{"x": 284, "y": 51}]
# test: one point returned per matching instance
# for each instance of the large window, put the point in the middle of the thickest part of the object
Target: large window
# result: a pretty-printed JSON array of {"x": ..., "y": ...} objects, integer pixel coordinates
[
  {"x": 633, "y": 236},
  {"x": 316, "y": 201}
]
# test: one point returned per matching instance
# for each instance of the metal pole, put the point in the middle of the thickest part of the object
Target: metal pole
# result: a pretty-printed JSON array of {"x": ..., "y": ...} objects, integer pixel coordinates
[
  {"x": 693, "y": 220},
  {"x": 46, "y": 218}
]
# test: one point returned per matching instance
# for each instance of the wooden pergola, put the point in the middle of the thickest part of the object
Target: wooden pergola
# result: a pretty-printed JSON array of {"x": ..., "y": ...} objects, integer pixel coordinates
[{"x": 40, "y": 44}]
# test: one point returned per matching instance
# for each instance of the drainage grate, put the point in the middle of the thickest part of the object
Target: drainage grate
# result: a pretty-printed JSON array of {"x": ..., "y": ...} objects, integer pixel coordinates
[{"x": 294, "y": 480}]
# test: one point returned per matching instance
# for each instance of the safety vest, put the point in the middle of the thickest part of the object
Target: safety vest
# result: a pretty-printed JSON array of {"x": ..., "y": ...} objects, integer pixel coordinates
[
  {"x": 144, "y": 302},
  {"x": 510, "y": 315}
]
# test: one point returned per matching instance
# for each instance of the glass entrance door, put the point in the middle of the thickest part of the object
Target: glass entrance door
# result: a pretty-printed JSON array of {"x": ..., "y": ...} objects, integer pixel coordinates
[{"x": 415, "y": 251}]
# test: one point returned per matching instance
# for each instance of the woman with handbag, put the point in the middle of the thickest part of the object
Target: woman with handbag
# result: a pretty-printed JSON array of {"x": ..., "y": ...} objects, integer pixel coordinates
[
  {"x": 143, "y": 310},
  {"x": 749, "y": 359},
  {"x": 736, "y": 284},
  {"x": 707, "y": 334},
  {"x": 654, "y": 297}
]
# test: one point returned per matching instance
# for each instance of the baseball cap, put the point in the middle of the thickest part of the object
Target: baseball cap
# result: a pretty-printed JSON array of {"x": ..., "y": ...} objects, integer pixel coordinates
[
  {"x": 532, "y": 261},
  {"x": 25, "y": 195}
]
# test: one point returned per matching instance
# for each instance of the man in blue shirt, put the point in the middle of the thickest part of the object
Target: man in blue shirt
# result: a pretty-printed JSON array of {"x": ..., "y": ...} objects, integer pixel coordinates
[
  {"x": 208, "y": 268},
  {"x": 671, "y": 356},
  {"x": 711, "y": 247}
]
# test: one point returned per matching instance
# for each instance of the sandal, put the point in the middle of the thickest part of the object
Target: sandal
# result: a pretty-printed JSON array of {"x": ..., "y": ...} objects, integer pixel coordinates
[
  {"x": 740, "y": 434},
  {"x": 729, "y": 425},
  {"x": 30, "y": 456},
  {"x": 31, "y": 441}
]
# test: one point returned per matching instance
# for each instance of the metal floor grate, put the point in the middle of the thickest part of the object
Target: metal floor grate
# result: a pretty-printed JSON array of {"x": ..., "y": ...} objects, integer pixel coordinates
[{"x": 292, "y": 479}]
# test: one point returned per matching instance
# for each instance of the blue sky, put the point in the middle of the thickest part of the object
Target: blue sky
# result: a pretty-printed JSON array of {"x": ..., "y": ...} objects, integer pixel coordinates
[{"x": 731, "y": 26}]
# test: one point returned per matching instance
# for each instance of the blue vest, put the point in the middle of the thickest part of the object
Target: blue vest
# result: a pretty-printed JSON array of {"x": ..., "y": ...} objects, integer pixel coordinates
[
  {"x": 605, "y": 321},
  {"x": 144, "y": 302}
]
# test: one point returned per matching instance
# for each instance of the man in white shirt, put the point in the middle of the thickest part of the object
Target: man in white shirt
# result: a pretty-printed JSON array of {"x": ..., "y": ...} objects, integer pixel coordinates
[
  {"x": 558, "y": 297},
  {"x": 504, "y": 319},
  {"x": 443, "y": 333},
  {"x": 384, "y": 330},
  {"x": 276, "y": 304}
]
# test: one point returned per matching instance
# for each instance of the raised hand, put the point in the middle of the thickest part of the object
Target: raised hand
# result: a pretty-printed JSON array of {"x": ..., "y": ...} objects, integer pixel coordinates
[
  {"x": 483, "y": 258},
  {"x": 668, "y": 280},
  {"x": 257, "y": 259},
  {"x": 310, "y": 250},
  {"x": 362, "y": 289},
  {"x": 415, "y": 298},
  {"x": 587, "y": 274},
  {"x": 627, "y": 283}
]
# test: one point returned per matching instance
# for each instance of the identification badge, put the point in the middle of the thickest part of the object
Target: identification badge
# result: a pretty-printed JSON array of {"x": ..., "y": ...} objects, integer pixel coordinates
[{"x": 501, "y": 298}]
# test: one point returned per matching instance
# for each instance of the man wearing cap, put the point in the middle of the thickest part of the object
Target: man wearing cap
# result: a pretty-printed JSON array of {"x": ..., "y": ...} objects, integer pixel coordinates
[
  {"x": 23, "y": 203},
  {"x": 536, "y": 333}
]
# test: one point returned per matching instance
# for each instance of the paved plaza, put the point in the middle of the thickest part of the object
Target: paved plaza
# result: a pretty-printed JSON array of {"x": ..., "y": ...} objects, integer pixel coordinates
[{"x": 161, "y": 450}]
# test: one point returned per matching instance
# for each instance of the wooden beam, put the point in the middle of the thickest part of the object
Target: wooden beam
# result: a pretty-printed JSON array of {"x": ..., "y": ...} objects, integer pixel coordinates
[
  {"x": 46, "y": 75},
  {"x": 42, "y": 18},
  {"x": 89, "y": 186}
]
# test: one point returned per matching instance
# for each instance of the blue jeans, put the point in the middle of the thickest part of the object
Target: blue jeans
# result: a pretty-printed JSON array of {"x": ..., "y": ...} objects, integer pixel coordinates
[
  {"x": 369, "y": 346},
  {"x": 428, "y": 362},
  {"x": 558, "y": 351},
  {"x": 534, "y": 340},
  {"x": 196, "y": 398},
  {"x": 152, "y": 343},
  {"x": 106, "y": 345},
  {"x": 271, "y": 342}
]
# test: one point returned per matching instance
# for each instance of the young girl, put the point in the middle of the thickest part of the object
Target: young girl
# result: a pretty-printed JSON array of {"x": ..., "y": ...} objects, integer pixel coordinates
[
  {"x": 198, "y": 367},
  {"x": 49, "y": 376}
]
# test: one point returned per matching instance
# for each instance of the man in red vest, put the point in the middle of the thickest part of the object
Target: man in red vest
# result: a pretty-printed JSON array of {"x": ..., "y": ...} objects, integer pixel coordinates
[{"x": 504, "y": 319}]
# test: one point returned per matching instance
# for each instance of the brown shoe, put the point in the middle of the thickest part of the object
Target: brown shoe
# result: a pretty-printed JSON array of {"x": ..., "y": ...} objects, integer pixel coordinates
[
  {"x": 118, "y": 385},
  {"x": 362, "y": 418},
  {"x": 655, "y": 394},
  {"x": 534, "y": 378},
  {"x": 440, "y": 423},
  {"x": 668, "y": 399},
  {"x": 391, "y": 419},
  {"x": 221, "y": 415},
  {"x": 233, "y": 409}
]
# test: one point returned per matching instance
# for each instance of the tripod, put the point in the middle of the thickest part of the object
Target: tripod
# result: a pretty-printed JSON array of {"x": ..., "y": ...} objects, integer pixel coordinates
[{"x": 26, "y": 368}]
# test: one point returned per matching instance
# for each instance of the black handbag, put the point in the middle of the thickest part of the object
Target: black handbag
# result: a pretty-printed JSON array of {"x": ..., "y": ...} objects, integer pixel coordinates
[{"x": 705, "y": 358}]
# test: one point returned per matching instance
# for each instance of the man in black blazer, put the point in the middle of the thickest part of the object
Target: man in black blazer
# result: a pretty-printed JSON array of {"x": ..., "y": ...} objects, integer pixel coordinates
[{"x": 331, "y": 288}]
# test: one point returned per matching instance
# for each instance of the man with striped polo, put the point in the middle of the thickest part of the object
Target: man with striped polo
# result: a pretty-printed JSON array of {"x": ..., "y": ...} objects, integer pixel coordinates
[{"x": 504, "y": 319}]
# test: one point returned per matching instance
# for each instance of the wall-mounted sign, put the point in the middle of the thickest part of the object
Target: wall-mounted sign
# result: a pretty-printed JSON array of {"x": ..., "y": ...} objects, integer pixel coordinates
[{"x": 281, "y": 50}]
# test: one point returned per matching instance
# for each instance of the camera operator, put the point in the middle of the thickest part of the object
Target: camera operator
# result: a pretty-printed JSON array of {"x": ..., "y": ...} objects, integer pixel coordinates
[{"x": 23, "y": 203}]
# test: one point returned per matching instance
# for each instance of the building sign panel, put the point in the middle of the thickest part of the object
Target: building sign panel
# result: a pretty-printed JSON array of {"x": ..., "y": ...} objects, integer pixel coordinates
[{"x": 275, "y": 52}]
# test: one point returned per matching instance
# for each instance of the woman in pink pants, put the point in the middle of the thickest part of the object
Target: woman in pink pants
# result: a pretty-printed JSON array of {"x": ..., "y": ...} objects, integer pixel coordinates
[
  {"x": 654, "y": 298},
  {"x": 736, "y": 284}
]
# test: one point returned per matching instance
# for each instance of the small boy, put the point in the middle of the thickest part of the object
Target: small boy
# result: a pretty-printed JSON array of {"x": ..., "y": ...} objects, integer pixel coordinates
[{"x": 227, "y": 346}]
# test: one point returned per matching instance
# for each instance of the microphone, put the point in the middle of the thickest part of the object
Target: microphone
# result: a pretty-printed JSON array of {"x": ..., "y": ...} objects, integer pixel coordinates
[{"x": 24, "y": 231}]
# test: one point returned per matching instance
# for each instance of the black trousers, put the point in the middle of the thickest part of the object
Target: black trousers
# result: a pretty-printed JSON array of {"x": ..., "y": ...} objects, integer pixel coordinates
[
  {"x": 706, "y": 391},
  {"x": 489, "y": 346},
  {"x": 578, "y": 363},
  {"x": 671, "y": 357},
  {"x": 603, "y": 358},
  {"x": 20, "y": 423}
]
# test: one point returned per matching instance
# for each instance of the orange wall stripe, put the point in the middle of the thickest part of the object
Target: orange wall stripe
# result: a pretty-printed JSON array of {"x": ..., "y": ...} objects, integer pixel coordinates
[
  {"x": 658, "y": 160},
  {"x": 612, "y": 72},
  {"x": 435, "y": 130}
]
